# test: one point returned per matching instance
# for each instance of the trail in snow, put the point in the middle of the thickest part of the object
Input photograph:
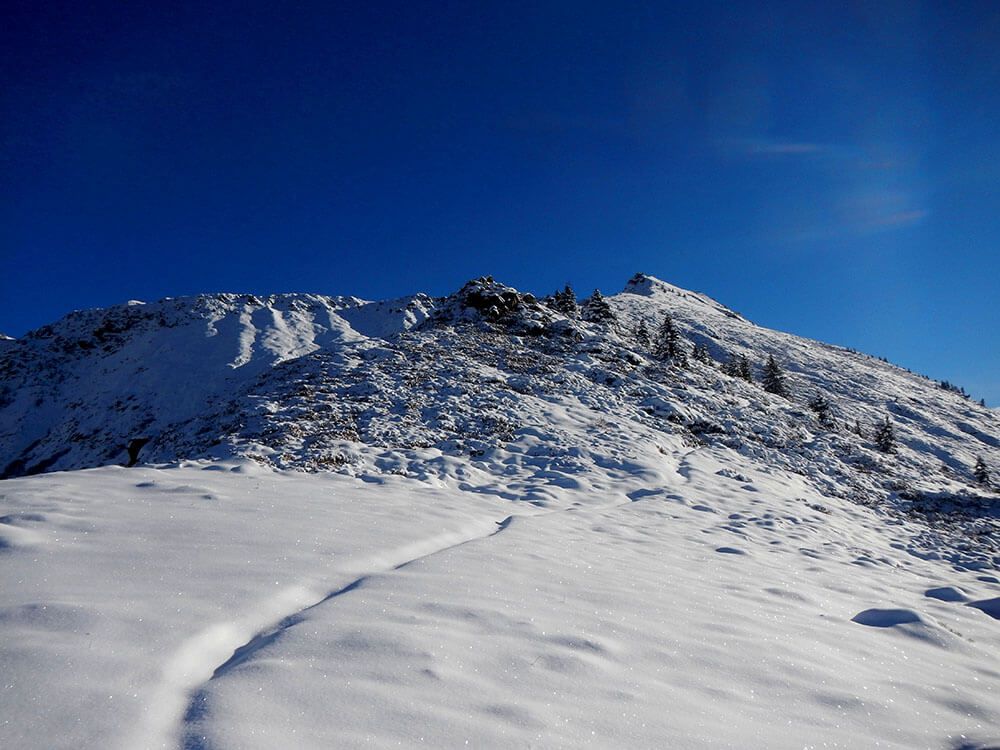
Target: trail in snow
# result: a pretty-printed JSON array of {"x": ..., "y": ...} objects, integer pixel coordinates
[
  {"x": 197, "y": 706},
  {"x": 222, "y": 646}
]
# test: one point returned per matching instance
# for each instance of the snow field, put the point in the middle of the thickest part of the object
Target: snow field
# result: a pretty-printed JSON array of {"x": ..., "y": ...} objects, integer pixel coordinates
[
  {"x": 124, "y": 589},
  {"x": 225, "y": 606}
]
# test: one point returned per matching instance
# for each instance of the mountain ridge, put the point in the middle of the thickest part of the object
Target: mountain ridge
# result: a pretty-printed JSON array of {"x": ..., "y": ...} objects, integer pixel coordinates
[{"x": 466, "y": 388}]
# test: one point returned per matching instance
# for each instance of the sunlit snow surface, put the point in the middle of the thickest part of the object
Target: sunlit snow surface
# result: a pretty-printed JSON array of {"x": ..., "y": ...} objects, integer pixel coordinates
[{"x": 696, "y": 603}]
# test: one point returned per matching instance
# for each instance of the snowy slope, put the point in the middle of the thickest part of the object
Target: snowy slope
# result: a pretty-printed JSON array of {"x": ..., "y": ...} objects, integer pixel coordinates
[
  {"x": 474, "y": 519},
  {"x": 709, "y": 605},
  {"x": 75, "y": 392}
]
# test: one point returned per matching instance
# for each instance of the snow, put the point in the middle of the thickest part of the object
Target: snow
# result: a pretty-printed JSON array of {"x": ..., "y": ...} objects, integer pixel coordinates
[
  {"x": 124, "y": 589},
  {"x": 387, "y": 612},
  {"x": 472, "y": 520}
]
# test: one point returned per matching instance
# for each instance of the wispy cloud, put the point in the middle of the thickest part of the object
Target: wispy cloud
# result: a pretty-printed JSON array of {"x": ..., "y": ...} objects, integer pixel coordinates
[
  {"x": 873, "y": 209},
  {"x": 841, "y": 190},
  {"x": 829, "y": 218},
  {"x": 787, "y": 148},
  {"x": 750, "y": 147},
  {"x": 899, "y": 219}
]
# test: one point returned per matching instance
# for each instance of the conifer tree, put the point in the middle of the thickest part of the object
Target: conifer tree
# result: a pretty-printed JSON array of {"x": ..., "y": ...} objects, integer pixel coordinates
[
  {"x": 597, "y": 310},
  {"x": 980, "y": 472},
  {"x": 569, "y": 304},
  {"x": 857, "y": 429},
  {"x": 774, "y": 378},
  {"x": 668, "y": 343},
  {"x": 821, "y": 405},
  {"x": 743, "y": 368},
  {"x": 701, "y": 354},
  {"x": 642, "y": 337},
  {"x": 738, "y": 367},
  {"x": 565, "y": 302},
  {"x": 885, "y": 436}
]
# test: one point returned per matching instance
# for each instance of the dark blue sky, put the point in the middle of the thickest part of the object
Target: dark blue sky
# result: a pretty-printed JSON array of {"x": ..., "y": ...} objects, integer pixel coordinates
[{"x": 832, "y": 170}]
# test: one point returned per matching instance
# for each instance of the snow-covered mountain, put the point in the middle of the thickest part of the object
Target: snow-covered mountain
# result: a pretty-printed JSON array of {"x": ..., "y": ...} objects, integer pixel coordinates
[
  {"x": 313, "y": 530},
  {"x": 412, "y": 385}
]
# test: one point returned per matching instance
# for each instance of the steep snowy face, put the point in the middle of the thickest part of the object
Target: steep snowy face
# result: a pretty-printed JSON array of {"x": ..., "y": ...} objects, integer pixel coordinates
[
  {"x": 479, "y": 384},
  {"x": 74, "y": 393},
  {"x": 384, "y": 319}
]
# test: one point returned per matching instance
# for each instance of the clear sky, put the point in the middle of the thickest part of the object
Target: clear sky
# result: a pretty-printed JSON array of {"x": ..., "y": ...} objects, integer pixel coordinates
[{"x": 831, "y": 170}]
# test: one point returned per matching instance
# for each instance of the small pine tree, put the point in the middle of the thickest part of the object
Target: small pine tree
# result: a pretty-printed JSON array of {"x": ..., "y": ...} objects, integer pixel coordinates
[
  {"x": 701, "y": 354},
  {"x": 774, "y": 378},
  {"x": 885, "y": 436},
  {"x": 980, "y": 472},
  {"x": 858, "y": 429},
  {"x": 597, "y": 310},
  {"x": 565, "y": 302},
  {"x": 569, "y": 304},
  {"x": 642, "y": 337},
  {"x": 738, "y": 367},
  {"x": 821, "y": 405},
  {"x": 743, "y": 368},
  {"x": 668, "y": 343},
  {"x": 681, "y": 357}
]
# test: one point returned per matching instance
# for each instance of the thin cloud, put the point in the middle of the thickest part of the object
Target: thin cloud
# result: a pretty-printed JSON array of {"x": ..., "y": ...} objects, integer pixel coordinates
[
  {"x": 788, "y": 148},
  {"x": 873, "y": 210},
  {"x": 773, "y": 147},
  {"x": 900, "y": 219},
  {"x": 834, "y": 218}
]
